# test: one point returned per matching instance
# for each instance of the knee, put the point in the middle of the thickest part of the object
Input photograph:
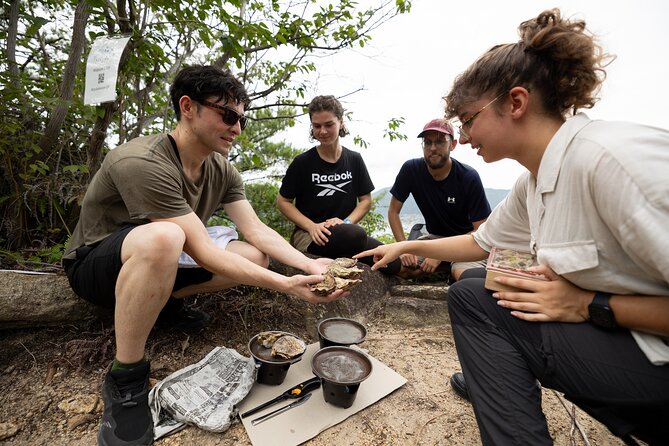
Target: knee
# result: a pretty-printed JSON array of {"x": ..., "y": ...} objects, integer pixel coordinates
[
  {"x": 356, "y": 237},
  {"x": 164, "y": 242},
  {"x": 249, "y": 252},
  {"x": 463, "y": 298},
  {"x": 262, "y": 259}
]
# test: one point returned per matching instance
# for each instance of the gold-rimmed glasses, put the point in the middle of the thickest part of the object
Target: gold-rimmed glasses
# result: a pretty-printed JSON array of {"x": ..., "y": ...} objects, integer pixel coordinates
[{"x": 468, "y": 122}]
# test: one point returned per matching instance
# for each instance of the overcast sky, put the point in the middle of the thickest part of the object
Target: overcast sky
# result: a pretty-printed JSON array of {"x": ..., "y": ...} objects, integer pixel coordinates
[{"x": 414, "y": 58}]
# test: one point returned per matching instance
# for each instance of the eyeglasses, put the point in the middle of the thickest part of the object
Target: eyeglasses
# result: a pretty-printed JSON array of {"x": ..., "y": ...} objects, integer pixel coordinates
[
  {"x": 229, "y": 115},
  {"x": 440, "y": 143},
  {"x": 468, "y": 122}
]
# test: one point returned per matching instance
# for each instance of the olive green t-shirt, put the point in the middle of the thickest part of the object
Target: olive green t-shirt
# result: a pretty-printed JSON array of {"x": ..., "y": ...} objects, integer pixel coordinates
[{"x": 143, "y": 179}]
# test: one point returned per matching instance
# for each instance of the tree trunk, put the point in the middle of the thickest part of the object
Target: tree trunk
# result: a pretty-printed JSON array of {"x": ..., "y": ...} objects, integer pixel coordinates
[{"x": 67, "y": 85}]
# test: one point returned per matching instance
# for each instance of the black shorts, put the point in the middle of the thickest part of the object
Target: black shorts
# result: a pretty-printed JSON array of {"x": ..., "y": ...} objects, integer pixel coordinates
[{"x": 94, "y": 273}]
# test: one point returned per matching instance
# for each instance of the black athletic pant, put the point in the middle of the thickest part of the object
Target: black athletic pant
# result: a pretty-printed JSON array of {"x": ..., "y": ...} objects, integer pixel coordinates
[
  {"x": 603, "y": 372},
  {"x": 347, "y": 240}
]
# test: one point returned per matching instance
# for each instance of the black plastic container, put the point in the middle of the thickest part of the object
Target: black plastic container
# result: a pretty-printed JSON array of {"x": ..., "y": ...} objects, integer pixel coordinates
[
  {"x": 271, "y": 370},
  {"x": 339, "y": 331},
  {"x": 341, "y": 370}
]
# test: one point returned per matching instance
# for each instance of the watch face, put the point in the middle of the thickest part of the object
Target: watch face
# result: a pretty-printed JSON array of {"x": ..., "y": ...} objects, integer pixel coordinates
[{"x": 601, "y": 316}]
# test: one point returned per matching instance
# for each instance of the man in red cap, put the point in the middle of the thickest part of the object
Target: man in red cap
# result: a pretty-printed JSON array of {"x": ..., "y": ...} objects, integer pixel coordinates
[{"x": 448, "y": 193}]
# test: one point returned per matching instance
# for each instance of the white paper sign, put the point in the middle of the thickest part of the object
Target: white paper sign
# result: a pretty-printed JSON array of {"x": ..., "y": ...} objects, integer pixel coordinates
[{"x": 102, "y": 69}]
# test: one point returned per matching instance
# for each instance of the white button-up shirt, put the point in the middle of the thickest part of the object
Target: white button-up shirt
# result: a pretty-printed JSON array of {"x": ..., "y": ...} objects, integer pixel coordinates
[{"x": 597, "y": 213}]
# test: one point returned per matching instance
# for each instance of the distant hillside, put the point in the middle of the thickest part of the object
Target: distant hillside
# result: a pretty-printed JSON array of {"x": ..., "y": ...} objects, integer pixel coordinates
[{"x": 410, "y": 213}]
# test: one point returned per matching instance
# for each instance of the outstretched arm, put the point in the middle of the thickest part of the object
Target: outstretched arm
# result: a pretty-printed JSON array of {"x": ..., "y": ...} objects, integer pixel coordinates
[
  {"x": 461, "y": 248},
  {"x": 394, "y": 208},
  {"x": 239, "y": 269}
]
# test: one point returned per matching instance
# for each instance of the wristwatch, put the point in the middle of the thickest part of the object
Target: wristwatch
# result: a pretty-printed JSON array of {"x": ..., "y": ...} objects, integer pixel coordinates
[
  {"x": 600, "y": 312},
  {"x": 347, "y": 221}
]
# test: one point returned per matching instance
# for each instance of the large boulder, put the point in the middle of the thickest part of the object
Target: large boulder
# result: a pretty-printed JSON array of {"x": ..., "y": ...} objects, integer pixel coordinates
[{"x": 37, "y": 299}]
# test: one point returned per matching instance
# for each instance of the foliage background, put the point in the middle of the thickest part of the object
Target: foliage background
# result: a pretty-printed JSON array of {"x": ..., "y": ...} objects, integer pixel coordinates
[{"x": 51, "y": 143}]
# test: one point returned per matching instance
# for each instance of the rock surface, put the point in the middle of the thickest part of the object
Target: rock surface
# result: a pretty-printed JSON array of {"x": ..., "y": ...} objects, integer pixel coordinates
[{"x": 39, "y": 300}]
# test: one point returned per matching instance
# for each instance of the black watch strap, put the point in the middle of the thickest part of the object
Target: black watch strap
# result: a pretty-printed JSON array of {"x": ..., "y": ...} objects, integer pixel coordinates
[{"x": 600, "y": 311}]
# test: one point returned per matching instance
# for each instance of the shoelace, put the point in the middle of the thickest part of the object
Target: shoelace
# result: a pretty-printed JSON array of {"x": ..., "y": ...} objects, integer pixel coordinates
[{"x": 127, "y": 401}]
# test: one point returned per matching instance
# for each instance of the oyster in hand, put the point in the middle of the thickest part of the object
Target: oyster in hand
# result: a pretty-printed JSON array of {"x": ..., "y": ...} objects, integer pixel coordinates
[
  {"x": 288, "y": 347},
  {"x": 341, "y": 274},
  {"x": 343, "y": 262},
  {"x": 345, "y": 284},
  {"x": 327, "y": 286}
]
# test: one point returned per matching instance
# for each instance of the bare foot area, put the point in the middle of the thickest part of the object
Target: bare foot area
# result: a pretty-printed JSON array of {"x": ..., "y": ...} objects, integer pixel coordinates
[{"x": 50, "y": 380}]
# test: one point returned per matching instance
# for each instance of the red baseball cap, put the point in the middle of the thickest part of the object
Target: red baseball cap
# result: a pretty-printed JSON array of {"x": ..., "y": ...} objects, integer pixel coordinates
[{"x": 440, "y": 125}]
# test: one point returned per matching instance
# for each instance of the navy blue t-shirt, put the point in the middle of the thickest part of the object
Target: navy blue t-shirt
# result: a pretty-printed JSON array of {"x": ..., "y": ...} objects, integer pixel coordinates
[
  {"x": 448, "y": 206},
  {"x": 323, "y": 190}
]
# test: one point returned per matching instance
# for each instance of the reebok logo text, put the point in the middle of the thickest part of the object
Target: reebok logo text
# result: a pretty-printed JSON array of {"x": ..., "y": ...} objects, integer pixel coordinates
[{"x": 316, "y": 178}]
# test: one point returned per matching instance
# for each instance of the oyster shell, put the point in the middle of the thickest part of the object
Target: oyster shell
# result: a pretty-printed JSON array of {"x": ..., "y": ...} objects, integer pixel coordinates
[
  {"x": 326, "y": 286},
  {"x": 268, "y": 338},
  {"x": 341, "y": 274},
  {"x": 346, "y": 284},
  {"x": 346, "y": 273},
  {"x": 344, "y": 262},
  {"x": 288, "y": 347}
]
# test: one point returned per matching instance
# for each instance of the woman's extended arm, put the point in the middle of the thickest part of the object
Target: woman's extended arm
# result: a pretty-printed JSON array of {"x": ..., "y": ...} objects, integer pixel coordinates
[{"x": 459, "y": 248}]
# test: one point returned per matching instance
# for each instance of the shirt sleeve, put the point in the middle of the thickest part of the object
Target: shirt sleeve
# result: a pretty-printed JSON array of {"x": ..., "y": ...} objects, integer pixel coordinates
[
  {"x": 402, "y": 186},
  {"x": 479, "y": 208},
  {"x": 365, "y": 184},
  {"x": 636, "y": 215},
  {"x": 288, "y": 187},
  {"x": 508, "y": 224},
  {"x": 235, "y": 190}
]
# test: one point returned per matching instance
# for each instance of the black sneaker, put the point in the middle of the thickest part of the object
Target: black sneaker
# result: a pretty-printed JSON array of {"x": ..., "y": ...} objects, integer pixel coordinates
[
  {"x": 126, "y": 419},
  {"x": 178, "y": 315},
  {"x": 460, "y": 385}
]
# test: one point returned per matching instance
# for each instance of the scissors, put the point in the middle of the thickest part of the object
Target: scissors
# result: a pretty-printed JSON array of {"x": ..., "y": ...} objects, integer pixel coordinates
[
  {"x": 280, "y": 410},
  {"x": 293, "y": 393}
]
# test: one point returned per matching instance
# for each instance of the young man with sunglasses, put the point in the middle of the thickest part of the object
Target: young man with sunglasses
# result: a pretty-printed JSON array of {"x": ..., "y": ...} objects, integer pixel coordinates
[
  {"x": 448, "y": 193},
  {"x": 143, "y": 220}
]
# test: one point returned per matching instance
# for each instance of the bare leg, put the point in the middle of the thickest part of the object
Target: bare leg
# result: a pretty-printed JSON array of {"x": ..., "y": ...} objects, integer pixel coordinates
[
  {"x": 145, "y": 282},
  {"x": 219, "y": 282}
]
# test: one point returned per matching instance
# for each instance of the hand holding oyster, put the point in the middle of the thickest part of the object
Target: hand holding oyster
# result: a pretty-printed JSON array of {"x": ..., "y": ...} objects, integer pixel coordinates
[{"x": 341, "y": 274}]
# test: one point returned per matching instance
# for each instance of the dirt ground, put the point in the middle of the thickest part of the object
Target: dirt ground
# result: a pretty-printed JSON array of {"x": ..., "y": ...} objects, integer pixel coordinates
[{"x": 50, "y": 380}]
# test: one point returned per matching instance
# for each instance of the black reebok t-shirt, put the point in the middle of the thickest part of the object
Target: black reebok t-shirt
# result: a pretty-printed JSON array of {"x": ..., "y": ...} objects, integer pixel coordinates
[{"x": 323, "y": 190}]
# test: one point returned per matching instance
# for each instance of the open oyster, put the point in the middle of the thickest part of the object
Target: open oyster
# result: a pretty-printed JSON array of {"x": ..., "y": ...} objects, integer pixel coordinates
[
  {"x": 341, "y": 274},
  {"x": 343, "y": 262},
  {"x": 346, "y": 284},
  {"x": 326, "y": 286},
  {"x": 288, "y": 347},
  {"x": 268, "y": 338}
]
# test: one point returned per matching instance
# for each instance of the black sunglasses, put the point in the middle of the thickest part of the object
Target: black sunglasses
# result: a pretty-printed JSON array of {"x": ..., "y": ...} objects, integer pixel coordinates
[{"x": 229, "y": 115}]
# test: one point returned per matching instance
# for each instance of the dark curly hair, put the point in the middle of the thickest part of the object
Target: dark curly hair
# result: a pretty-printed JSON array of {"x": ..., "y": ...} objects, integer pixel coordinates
[
  {"x": 331, "y": 104},
  {"x": 556, "y": 58},
  {"x": 201, "y": 82}
]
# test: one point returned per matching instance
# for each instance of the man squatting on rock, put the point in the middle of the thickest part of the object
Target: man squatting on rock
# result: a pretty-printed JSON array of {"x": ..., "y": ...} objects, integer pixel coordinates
[{"x": 147, "y": 204}]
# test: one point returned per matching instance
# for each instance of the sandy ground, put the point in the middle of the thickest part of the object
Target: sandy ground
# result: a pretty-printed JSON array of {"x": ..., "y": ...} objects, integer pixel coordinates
[{"x": 50, "y": 380}]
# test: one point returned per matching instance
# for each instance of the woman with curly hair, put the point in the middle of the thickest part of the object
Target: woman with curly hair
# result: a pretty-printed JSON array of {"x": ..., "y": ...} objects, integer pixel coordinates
[{"x": 593, "y": 207}]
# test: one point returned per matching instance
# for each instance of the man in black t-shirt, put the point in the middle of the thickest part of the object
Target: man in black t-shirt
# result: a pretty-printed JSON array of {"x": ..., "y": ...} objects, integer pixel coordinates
[{"x": 448, "y": 193}]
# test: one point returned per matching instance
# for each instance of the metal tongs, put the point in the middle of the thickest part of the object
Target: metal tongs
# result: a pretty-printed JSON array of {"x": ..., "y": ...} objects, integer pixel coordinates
[
  {"x": 295, "y": 392},
  {"x": 281, "y": 410}
]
